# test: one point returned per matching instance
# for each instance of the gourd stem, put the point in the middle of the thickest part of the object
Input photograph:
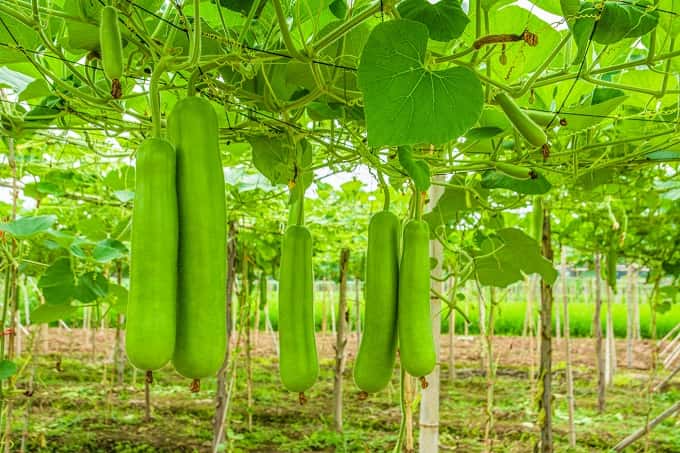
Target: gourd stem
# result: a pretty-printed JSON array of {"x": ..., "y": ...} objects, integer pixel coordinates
[
  {"x": 301, "y": 211},
  {"x": 386, "y": 191},
  {"x": 419, "y": 197},
  {"x": 285, "y": 33},
  {"x": 195, "y": 43},
  {"x": 155, "y": 99}
]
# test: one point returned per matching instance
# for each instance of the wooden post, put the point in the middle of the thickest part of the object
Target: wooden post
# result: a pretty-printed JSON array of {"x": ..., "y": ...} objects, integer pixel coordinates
[
  {"x": 340, "y": 341},
  {"x": 490, "y": 374},
  {"x": 597, "y": 332},
  {"x": 428, "y": 438},
  {"x": 221, "y": 397},
  {"x": 357, "y": 308},
  {"x": 567, "y": 349},
  {"x": 630, "y": 316},
  {"x": 545, "y": 365},
  {"x": 610, "y": 341}
]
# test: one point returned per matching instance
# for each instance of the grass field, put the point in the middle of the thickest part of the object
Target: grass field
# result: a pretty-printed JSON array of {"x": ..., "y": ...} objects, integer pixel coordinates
[
  {"x": 78, "y": 410},
  {"x": 510, "y": 318}
]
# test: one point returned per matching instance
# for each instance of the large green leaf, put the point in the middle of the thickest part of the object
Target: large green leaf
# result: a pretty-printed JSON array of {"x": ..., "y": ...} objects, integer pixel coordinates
[
  {"x": 508, "y": 256},
  {"x": 405, "y": 102},
  {"x": 11, "y": 30},
  {"x": 584, "y": 116},
  {"x": 49, "y": 313},
  {"x": 58, "y": 282},
  {"x": 617, "y": 21},
  {"x": 279, "y": 160},
  {"x": 91, "y": 286},
  {"x": 108, "y": 250},
  {"x": 445, "y": 19},
  {"x": 670, "y": 22},
  {"x": 26, "y": 227}
]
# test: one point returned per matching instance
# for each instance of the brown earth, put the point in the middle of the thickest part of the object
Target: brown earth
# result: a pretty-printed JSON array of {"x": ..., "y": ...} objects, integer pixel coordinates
[{"x": 509, "y": 351}]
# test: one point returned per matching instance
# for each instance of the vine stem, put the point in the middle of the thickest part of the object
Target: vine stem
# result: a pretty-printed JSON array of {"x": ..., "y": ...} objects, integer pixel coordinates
[
  {"x": 285, "y": 33},
  {"x": 345, "y": 28},
  {"x": 155, "y": 98},
  {"x": 386, "y": 191},
  {"x": 301, "y": 210}
]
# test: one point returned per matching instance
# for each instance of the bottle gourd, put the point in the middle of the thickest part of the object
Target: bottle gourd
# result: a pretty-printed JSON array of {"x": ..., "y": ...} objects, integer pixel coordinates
[
  {"x": 201, "y": 291},
  {"x": 150, "y": 333},
  {"x": 111, "y": 47},
  {"x": 531, "y": 131},
  {"x": 377, "y": 352},
  {"x": 416, "y": 342},
  {"x": 298, "y": 361}
]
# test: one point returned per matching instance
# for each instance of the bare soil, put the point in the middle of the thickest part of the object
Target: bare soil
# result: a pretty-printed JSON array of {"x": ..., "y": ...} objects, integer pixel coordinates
[{"x": 509, "y": 351}]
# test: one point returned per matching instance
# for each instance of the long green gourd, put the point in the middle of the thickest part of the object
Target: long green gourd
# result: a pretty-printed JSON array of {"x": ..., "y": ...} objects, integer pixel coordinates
[
  {"x": 531, "y": 131},
  {"x": 111, "y": 48},
  {"x": 416, "y": 342},
  {"x": 201, "y": 290},
  {"x": 298, "y": 361},
  {"x": 377, "y": 352},
  {"x": 150, "y": 332}
]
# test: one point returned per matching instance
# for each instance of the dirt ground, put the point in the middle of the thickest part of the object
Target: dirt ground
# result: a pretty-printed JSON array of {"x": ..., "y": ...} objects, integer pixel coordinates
[{"x": 509, "y": 351}]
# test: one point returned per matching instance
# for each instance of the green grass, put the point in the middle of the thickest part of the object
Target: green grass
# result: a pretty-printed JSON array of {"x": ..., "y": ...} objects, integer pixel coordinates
[
  {"x": 75, "y": 411},
  {"x": 510, "y": 318}
]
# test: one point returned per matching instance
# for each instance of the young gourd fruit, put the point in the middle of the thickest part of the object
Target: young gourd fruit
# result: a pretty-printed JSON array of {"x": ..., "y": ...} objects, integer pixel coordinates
[
  {"x": 416, "y": 341},
  {"x": 150, "y": 333},
  {"x": 201, "y": 290},
  {"x": 111, "y": 49},
  {"x": 516, "y": 171},
  {"x": 298, "y": 361},
  {"x": 377, "y": 352},
  {"x": 531, "y": 131}
]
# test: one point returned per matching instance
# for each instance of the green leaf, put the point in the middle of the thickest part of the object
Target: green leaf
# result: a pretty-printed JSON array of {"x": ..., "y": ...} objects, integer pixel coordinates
[
  {"x": 58, "y": 282},
  {"x": 274, "y": 158},
  {"x": 532, "y": 186},
  {"x": 670, "y": 22},
  {"x": 483, "y": 133},
  {"x": 26, "y": 227},
  {"x": 16, "y": 35},
  {"x": 570, "y": 9},
  {"x": 49, "y": 313},
  {"x": 338, "y": 8},
  {"x": 454, "y": 199},
  {"x": 108, "y": 250},
  {"x": 445, "y": 19},
  {"x": 36, "y": 89},
  {"x": 663, "y": 155},
  {"x": 593, "y": 178},
  {"x": 91, "y": 286},
  {"x": 118, "y": 296},
  {"x": 239, "y": 6},
  {"x": 617, "y": 21},
  {"x": 280, "y": 161},
  {"x": 585, "y": 116},
  {"x": 405, "y": 102},
  {"x": 7, "y": 369},
  {"x": 39, "y": 190},
  {"x": 507, "y": 257}
]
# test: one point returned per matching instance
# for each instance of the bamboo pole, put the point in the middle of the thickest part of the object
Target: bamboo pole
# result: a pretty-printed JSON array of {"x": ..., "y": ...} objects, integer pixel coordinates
[
  {"x": 341, "y": 341},
  {"x": 567, "y": 349}
]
